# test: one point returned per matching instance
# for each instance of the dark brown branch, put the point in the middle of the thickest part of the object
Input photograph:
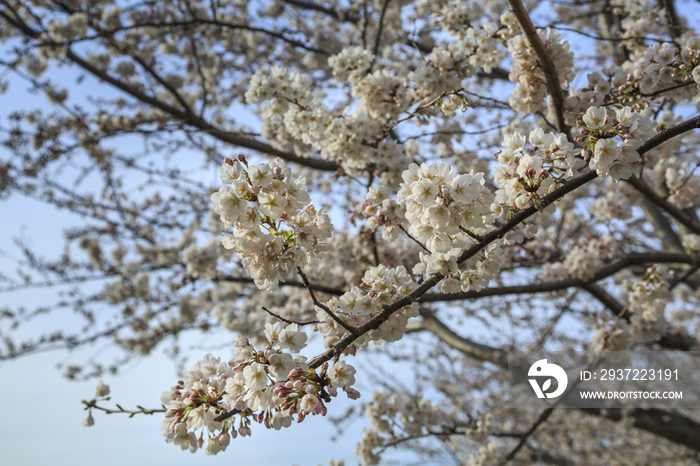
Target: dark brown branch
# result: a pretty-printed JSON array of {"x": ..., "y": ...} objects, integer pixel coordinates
[
  {"x": 490, "y": 237},
  {"x": 666, "y": 424},
  {"x": 674, "y": 23},
  {"x": 293, "y": 283},
  {"x": 194, "y": 120},
  {"x": 378, "y": 39},
  {"x": 540, "y": 420},
  {"x": 139, "y": 409},
  {"x": 672, "y": 210}
]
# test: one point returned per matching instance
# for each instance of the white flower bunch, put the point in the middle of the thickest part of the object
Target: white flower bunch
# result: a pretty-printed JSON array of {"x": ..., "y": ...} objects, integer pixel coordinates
[
  {"x": 583, "y": 260},
  {"x": 351, "y": 64},
  {"x": 271, "y": 232},
  {"x": 648, "y": 299},
  {"x": 268, "y": 386},
  {"x": 381, "y": 210},
  {"x": 530, "y": 88},
  {"x": 294, "y": 120},
  {"x": 530, "y": 172},
  {"x": 383, "y": 95},
  {"x": 278, "y": 82},
  {"x": 440, "y": 205},
  {"x": 397, "y": 415},
  {"x": 200, "y": 261},
  {"x": 612, "y": 143},
  {"x": 380, "y": 286},
  {"x": 447, "y": 65}
]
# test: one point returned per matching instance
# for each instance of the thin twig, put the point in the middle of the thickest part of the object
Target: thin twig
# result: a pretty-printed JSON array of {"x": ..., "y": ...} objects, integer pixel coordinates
[
  {"x": 331, "y": 314},
  {"x": 140, "y": 409},
  {"x": 543, "y": 417},
  {"x": 290, "y": 321},
  {"x": 414, "y": 239}
]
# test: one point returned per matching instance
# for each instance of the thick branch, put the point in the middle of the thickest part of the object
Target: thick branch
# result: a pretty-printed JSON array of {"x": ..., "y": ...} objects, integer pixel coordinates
[
  {"x": 666, "y": 424},
  {"x": 193, "y": 120},
  {"x": 655, "y": 198},
  {"x": 608, "y": 270},
  {"x": 464, "y": 345},
  {"x": 489, "y": 238}
]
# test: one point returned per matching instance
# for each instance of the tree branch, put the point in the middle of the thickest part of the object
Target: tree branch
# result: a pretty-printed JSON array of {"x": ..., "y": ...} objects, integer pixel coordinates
[
  {"x": 545, "y": 60},
  {"x": 669, "y": 425}
]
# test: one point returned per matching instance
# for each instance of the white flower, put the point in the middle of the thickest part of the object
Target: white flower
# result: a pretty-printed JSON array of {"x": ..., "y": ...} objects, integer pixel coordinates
[
  {"x": 424, "y": 191},
  {"x": 465, "y": 188},
  {"x": 527, "y": 163},
  {"x": 595, "y": 117},
  {"x": 102, "y": 389},
  {"x": 209, "y": 366},
  {"x": 272, "y": 204},
  {"x": 293, "y": 339},
  {"x": 230, "y": 173},
  {"x": 89, "y": 421},
  {"x": 514, "y": 142},
  {"x": 260, "y": 175},
  {"x": 606, "y": 151},
  {"x": 280, "y": 365},
  {"x": 620, "y": 171},
  {"x": 255, "y": 376},
  {"x": 342, "y": 374},
  {"x": 272, "y": 332},
  {"x": 308, "y": 403},
  {"x": 227, "y": 204},
  {"x": 280, "y": 420}
]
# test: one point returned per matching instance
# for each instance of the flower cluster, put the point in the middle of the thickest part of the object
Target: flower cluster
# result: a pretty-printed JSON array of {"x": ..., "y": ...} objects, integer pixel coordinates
[
  {"x": 530, "y": 88},
  {"x": 201, "y": 261},
  {"x": 447, "y": 65},
  {"x": 639, "y": 18},
  {"x": 442, "y": 207},
  {"x": 268, "y": 386},
  {"x": 393, "y": 416},
  {"x": 271, "y": 232},
  {"x": 101, "y": 393},
  {"x": 583, "y": 260},
  {"x": 380, "y": 286},
  {"x": 647, "y": 300},
  {"x": 383, "y": 96},
  {"x": 292, "y": 119},
  {"x": 529, "y": 173},
  {"x": 351, "y": 64},
  {"x": 612, "y": 143},
  {"x": 380, "y": 210}
]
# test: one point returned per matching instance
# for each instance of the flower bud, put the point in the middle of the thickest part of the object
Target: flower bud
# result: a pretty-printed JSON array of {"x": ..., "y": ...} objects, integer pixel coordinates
[
  {"x": 89, "y": 421},
  {"x": 224, "y": 439}
]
